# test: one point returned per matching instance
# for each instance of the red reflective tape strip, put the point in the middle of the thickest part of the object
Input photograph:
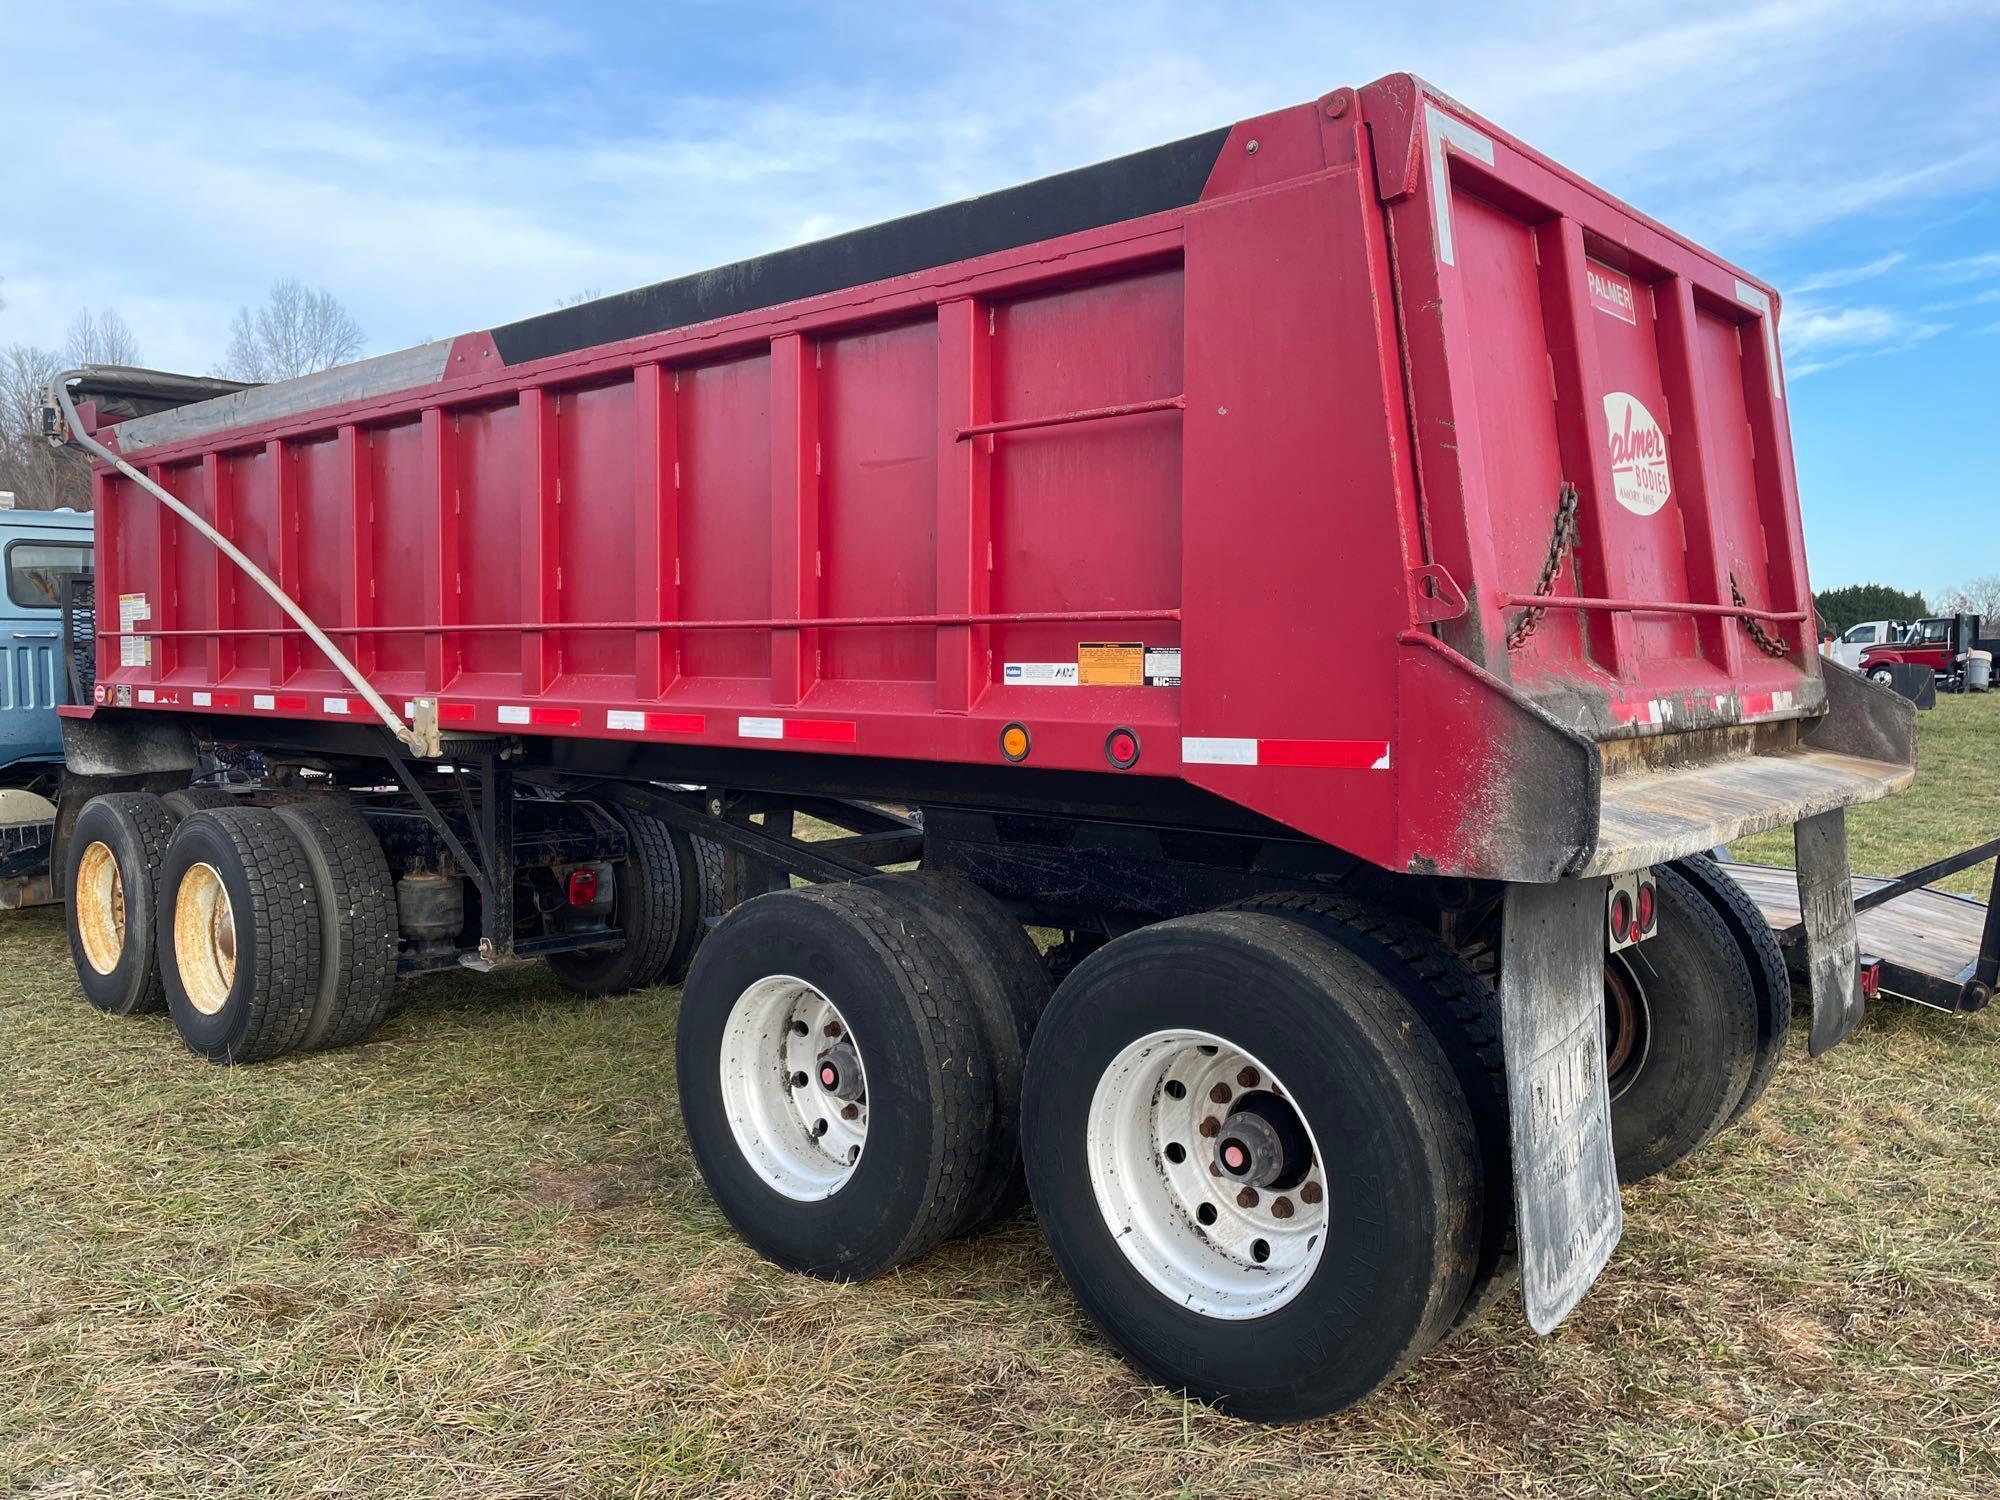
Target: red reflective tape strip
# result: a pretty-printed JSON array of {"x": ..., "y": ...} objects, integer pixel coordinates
[
  {"x": 1336, "y": 755},
  {"x": 455, "y": 713},
  {"x": 291, "y": 703},
  {"x": 557, "y": 718},
  {"x": 677, "y": 723},
  {"x": 829, "y": 731}
]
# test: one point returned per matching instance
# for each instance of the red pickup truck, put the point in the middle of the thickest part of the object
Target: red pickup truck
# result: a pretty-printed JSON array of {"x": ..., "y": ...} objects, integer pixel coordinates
[{"x": 1939, "y": 643}]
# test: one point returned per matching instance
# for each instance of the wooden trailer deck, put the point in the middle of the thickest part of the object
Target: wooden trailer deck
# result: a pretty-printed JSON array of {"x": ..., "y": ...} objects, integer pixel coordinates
[{"x": 1921, "y": 934}]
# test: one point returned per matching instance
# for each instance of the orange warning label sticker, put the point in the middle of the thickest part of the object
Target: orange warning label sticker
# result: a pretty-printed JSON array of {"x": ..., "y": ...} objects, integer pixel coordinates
[{"x": 1111, "y": 663}]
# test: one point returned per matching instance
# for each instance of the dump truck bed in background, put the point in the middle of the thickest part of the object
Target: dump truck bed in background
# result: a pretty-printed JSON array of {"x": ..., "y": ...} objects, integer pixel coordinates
[{"x": 1295, "y": 404}]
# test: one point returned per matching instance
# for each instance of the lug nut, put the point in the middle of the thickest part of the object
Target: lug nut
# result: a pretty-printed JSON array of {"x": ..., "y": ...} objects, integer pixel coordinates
[
  {"x": 1220, "y": 1093},
  {"x": 1281, "y": 1207},
  {"x": 833, "y": 1028},
  {"x": 1210, "y": 1127},
  {"x": 1310, "y": 1193},
  {"x": 1249, "y": 1078},
  {"x": 850, "y": 1112},
  {"x": 1247, "y": 1198}
]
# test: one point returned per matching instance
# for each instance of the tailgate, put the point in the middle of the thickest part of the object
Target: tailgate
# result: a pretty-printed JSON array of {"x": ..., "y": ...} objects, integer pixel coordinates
[{"x": 1559, "y": 342}]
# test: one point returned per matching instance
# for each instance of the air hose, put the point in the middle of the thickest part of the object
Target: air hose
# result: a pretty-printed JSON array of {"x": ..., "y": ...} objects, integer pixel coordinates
[{"x": 59, "y": 389}]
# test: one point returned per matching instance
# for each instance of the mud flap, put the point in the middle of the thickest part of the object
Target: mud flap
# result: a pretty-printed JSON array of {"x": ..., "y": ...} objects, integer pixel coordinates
[
  {"x": 1552, "y": 1025},
  {"x": 1826, "y": 913}
]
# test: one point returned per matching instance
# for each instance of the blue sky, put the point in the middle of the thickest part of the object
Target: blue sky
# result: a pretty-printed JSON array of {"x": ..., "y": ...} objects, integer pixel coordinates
[{"x": 445, "y": 166}]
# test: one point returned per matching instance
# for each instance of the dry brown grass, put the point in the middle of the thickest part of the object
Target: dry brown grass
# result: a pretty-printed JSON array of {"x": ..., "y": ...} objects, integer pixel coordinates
[{"x": 473, "y": 1258}]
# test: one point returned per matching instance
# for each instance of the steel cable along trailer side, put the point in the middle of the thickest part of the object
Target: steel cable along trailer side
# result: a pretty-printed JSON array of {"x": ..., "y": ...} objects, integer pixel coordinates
[{"x": 1348, "y": 498}]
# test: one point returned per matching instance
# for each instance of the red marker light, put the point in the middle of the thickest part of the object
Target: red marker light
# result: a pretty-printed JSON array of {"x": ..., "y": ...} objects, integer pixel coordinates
[
  {"x": 1121, "y": 748},
  {"x": 582, "y": 887},
  {"x": 1621, "y": 917},
  {"x": 1648, "y": 906}
]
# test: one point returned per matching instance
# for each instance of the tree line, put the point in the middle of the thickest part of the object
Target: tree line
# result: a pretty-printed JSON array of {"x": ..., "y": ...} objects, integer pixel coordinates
[
  {"x": 1839, "y": 609},
  {"x": 296, "y": 331}
]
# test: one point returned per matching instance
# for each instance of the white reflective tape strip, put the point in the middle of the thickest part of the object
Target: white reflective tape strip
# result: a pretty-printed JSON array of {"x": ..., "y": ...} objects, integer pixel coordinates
[
  {"x": 1751, "y": 296},
  {"x": 334, "y": 705},
  {"x": 147, "y": 695},
  {"x": 1441, "y": 128},
  {"x": 409, "y": 710},
  {"x": 1380, "y": 763},
  {"x": 1199, "y": 751},
  {"x": 623, "y": 718},
  {"x": 263, "y": 700},
  {"x": 760, "y": 729},
  {"x": 203, "y": 700},
  {"x": 511, "y": 713}
]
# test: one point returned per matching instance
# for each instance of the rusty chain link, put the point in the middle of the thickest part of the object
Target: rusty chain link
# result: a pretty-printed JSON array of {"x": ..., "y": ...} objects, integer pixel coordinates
[
  {"x": 1770, "y": 645},
  {"x": 1560, "y": 542}
]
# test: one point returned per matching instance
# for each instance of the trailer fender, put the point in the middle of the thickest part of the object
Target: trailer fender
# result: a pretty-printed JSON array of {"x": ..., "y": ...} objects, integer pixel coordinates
[
  {"x": 126, "y": 744},
  {"x": 1567, "y": 1214}
]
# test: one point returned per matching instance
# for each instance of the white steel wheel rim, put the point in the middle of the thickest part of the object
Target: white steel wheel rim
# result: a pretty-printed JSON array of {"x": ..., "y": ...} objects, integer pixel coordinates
[
  {"x": 99, "y": 904},
  {"x": 204, "y": 938},
  {"x": 1192, "y": 1232},
  {"x": 803, "y": 1138}
]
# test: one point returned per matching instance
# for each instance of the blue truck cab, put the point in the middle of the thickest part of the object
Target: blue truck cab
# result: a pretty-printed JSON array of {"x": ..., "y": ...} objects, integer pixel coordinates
[{"x": 38, "y": 549}]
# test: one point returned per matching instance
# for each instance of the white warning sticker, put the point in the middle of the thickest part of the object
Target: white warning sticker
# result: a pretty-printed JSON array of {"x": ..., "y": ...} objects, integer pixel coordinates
[
  {"x": 1163, "y": 666},
  {"x": 133, "y": 651},
  {"x": 1041, "y": 673}
]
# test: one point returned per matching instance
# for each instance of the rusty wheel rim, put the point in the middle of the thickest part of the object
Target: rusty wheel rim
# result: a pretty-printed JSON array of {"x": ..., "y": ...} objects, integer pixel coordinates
[
  {"x": 1627, "y": 1026},
  {"x": 98, "y": 903},
  {"x": 205, "y": 938}
]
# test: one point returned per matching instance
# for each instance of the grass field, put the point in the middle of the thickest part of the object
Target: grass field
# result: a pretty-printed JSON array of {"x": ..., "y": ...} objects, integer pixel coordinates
[{"x": 473, "y": 1258}]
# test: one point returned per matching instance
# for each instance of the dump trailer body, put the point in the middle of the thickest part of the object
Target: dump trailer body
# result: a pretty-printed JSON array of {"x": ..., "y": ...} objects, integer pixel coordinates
[{"x": 1356, "y": 464}]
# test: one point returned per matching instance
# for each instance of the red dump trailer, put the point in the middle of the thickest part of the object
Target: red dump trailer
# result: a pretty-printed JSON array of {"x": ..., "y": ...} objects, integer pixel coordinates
[{"x": 1340, "y": 572}]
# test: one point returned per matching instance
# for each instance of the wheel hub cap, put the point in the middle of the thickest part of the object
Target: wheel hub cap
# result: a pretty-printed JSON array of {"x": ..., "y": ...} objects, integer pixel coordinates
[
  {"x": 98, "y": 905},
  {"x": 794, "y": 1088},
  {"x": 204, "y": 938},
  {"x": 1208, "y": 1178}
]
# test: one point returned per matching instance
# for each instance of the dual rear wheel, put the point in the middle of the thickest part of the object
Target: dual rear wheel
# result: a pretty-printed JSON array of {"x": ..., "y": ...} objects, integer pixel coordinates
[{"x": 259, "y": 930}]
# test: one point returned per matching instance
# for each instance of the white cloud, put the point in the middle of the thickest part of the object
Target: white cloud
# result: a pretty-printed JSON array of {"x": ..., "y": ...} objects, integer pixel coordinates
[
  {"x": 1970, "y": 267},
  {"x": 1824, "y": 281},
  {"x": 380, "y": 168}
]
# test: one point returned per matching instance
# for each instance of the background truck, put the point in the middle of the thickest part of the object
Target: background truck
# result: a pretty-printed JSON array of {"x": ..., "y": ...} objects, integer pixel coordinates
[
  {"x": 1941, "y": 643},
  {"x": 1025, "y": 540},
  {"x": 41, "y": 551},
  {"x": 1857, "y": 639}
]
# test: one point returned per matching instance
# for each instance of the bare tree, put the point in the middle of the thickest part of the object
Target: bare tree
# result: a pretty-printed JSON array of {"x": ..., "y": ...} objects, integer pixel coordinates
[
  {"x": 41, "y": 475},
  {"x": 1976, "y": 596},
  {"x": 299, "y": 330},
  {"x": 102, "y": 338},
  {"x": 575, "y": 299}
]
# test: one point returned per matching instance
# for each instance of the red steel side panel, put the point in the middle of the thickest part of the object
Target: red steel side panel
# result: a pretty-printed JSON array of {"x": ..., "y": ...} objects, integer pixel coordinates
[{"x": 1214, "y": 477}]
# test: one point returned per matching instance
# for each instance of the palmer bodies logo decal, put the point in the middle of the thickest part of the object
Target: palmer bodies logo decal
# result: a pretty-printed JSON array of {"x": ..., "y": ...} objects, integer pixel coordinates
[{"x": 1640, "y": 478}]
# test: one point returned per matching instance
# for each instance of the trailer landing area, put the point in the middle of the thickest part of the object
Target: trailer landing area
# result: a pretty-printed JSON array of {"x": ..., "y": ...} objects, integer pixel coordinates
[{"x": 1926, "y": 941}]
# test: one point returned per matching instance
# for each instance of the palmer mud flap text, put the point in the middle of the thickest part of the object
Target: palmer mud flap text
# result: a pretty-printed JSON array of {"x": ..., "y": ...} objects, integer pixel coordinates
[
  {"x": 1826, "y": 913},
  {"x": 1552, "y": 1023}
]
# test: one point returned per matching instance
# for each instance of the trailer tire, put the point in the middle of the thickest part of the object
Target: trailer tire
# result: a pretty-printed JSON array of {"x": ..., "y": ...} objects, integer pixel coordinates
[
  {"x": 188, "y": 801},
  {"x": 808, "y": 1186},
  {"x": 239, "y": 938},
  {"x": 1009, "y": 989},
  {"x": 1769, "y": 977},
  {"x": 1463, "y": 1016},
  {"x": 704, "y": 880},
  {"x": 651, "y": 906},
  {"x": 1371, "y": 1267},
  {"x": 1698, "y": 1012},
  {"x": 357, "y": 921},
  {"x": 112, "y": 871}
]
